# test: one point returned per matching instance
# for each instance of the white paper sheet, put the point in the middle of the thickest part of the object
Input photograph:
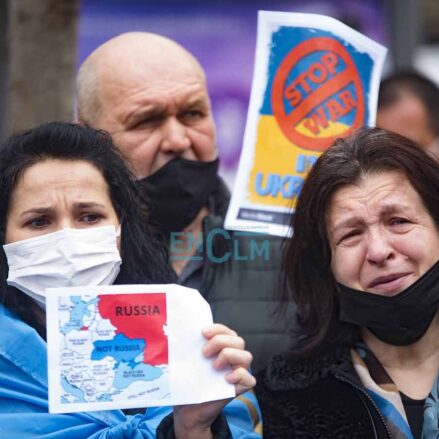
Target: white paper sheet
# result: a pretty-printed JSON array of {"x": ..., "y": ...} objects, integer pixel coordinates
[{"x": 129, "y": 346}]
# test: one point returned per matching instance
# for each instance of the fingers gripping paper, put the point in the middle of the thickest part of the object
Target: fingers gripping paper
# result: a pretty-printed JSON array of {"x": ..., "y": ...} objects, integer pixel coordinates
[
  {"x": 315, "y": 79},
  {"x": 129, "y": 346}
]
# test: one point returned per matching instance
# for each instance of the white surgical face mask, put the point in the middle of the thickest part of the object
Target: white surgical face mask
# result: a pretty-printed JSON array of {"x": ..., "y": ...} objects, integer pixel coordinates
[{"x": 67, "y": 258}]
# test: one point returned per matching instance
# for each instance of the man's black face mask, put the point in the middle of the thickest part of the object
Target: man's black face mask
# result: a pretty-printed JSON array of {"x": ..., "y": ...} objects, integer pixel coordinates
[{"x": 178, "y": 191}]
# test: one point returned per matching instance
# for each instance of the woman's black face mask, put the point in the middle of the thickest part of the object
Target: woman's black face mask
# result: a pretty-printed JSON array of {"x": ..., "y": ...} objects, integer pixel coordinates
[{"x": 398, "y": 320}]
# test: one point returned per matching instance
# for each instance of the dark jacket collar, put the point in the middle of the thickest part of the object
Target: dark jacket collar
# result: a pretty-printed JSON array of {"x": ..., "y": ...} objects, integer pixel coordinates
[{"x": 286, "y": 373}]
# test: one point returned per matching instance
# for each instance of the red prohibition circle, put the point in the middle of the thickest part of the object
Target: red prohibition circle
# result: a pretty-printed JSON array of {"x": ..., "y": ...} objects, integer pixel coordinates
[{"x": 288, "y": 122}]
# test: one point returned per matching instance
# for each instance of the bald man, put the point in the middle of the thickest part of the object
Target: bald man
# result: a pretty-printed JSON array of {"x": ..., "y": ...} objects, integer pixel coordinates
[{"x": 150, "y": 94}]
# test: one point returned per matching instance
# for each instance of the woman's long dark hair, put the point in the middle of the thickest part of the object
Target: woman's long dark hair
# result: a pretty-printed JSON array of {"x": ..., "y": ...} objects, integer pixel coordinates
[
  {"x": 307, "y": 258},
  {"x": 144, "y": 256}
]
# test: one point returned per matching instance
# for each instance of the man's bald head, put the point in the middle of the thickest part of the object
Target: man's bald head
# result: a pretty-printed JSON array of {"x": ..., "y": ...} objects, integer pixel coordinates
[
  {"x": 150, "y": 94},
  {"x": 124, "y": 58}
]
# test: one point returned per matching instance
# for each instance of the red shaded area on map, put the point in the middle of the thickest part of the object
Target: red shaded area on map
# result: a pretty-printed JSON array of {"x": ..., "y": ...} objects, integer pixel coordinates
[{"x": 139, "y": 316}]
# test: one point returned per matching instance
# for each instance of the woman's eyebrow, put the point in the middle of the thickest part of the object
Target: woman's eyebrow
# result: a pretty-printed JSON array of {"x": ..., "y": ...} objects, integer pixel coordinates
[
  {"x": 349, "y": 222},
  {"x": 37, "y": 210},
  {"x": 388, "y": 209},
  {"x": 44, "y": 210},
  {"x": 88, "y": 204}
]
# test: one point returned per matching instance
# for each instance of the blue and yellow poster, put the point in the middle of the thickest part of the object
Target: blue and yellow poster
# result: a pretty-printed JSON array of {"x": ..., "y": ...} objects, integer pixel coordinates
[{"x": 315, "y": 79}]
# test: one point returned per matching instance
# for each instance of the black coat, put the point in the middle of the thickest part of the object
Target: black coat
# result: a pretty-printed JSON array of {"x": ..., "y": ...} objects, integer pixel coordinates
[{"x": 319, "y": 398}]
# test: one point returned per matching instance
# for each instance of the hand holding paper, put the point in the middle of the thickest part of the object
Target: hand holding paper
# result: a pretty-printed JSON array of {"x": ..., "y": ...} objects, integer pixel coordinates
[
  {"x": 229, "y": 349},
  {"x": 226, "y": 349},
  {"x": 140, "y": 346}
]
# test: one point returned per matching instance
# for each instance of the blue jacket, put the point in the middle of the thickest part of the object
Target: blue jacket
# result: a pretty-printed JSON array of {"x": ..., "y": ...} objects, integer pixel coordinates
[{"x": 24, "y": 404}]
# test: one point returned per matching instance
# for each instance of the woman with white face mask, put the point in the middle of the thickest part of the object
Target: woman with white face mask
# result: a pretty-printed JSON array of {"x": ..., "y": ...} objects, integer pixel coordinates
[
  {"x": 363, "y": 264},
  {"x": 70, "y": 215}
]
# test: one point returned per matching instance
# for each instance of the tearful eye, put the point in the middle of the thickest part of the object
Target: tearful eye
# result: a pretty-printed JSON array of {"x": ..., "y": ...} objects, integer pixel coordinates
[
  {"x": 349, "y": 237},
  {"x": 399, "y": 222}
]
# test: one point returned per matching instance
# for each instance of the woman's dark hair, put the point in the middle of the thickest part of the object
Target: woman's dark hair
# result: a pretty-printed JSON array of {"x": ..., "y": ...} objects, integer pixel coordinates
[
  {"x": 307, "y": 258},
  {"x": 144, "y": 256}
]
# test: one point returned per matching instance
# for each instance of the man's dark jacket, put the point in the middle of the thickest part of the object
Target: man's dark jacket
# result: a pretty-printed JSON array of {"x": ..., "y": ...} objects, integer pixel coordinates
[{"x": 241, "y": 279}]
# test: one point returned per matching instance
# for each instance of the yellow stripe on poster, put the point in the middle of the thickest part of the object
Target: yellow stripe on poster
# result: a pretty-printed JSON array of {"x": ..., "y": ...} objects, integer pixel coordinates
[{"x": 280, "y": 167}]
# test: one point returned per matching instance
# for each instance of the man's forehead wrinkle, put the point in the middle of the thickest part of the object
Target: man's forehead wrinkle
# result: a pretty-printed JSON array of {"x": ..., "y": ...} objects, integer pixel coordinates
[
  {"x": 140, "y": 63},
  {"x": 154, "y": 80},
  {"x": 159, "y": 97}
]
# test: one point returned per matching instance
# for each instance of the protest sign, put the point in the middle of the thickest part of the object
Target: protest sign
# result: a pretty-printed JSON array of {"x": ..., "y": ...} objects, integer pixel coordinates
[
  {"x": 315, "y": 79},
  {"x": 129, "y": 346}
]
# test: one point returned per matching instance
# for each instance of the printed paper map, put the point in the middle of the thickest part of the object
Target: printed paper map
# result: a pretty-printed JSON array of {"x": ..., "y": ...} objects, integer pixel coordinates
[
  {"x": 107, "y": 356},
  {"x": 129, "y": 346}
]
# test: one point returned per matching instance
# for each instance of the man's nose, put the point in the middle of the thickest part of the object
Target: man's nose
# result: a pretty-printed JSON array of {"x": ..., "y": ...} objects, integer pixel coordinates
[
  {"x": 379, "y": 249},
  {"x": 175, "y": 137}
]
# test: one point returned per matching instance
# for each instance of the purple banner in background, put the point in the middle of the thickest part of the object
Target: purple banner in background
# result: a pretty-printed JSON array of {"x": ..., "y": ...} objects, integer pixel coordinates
[{"x": 222, "y": 35}]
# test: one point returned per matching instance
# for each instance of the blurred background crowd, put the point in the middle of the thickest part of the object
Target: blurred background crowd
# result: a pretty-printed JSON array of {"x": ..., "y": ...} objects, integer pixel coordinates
[{"x": 42, "y": 44}]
